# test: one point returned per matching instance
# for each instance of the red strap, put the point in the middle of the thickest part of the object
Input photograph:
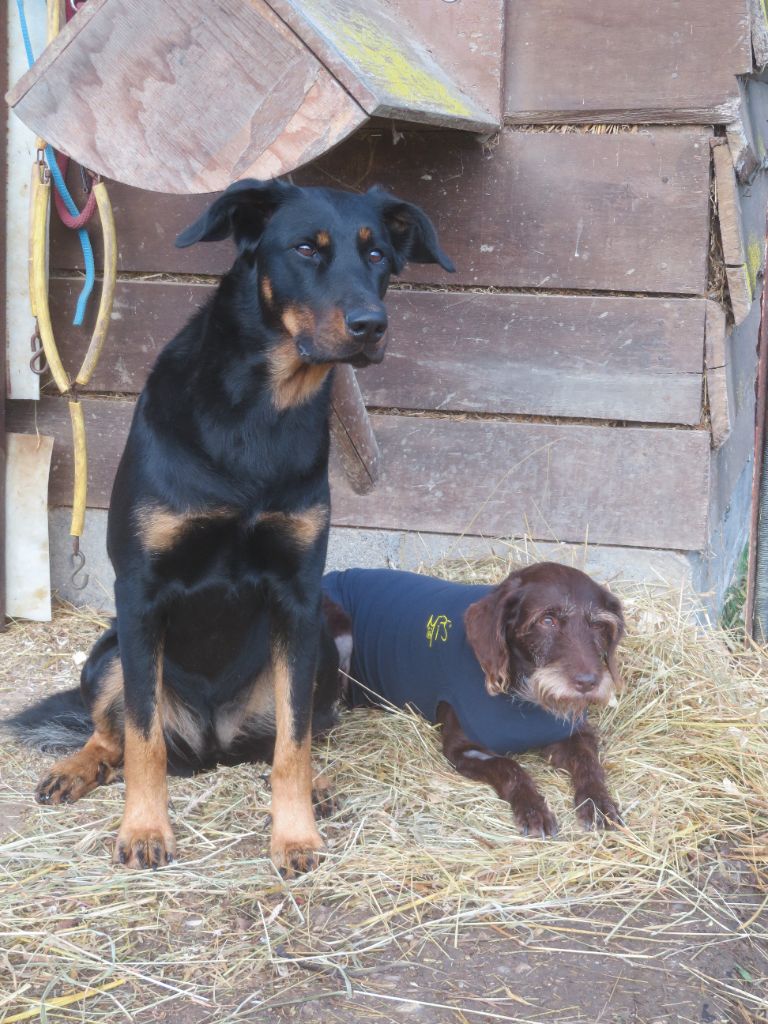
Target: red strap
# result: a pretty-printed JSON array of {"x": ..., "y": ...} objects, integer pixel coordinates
[{"x": 66, "y": 217}]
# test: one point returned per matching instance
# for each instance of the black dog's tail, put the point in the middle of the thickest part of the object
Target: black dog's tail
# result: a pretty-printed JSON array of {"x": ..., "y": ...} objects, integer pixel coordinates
[{"x": 55, "y": 724}]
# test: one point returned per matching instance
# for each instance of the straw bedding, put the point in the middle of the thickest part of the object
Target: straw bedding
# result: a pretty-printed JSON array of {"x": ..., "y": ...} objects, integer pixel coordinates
[{"x": 414, "y": 850}]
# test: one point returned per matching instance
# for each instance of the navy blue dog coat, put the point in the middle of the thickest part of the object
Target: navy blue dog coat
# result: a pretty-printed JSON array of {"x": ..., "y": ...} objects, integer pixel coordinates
[{"x": 409, "y": 647}]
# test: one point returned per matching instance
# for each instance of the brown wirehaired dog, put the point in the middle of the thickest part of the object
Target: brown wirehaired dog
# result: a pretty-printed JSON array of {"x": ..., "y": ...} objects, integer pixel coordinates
[{"x": 536, "y": 652}]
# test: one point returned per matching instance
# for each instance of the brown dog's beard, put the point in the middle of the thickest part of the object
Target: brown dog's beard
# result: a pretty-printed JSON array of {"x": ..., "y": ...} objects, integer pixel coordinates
[{"x": 550, "y": 688}]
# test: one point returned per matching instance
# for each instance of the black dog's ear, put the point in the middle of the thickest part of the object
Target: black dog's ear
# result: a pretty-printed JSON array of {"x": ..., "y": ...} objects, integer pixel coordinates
[
  {"x": 411, "y": 233},
  {"x": 242, "y": 210}
]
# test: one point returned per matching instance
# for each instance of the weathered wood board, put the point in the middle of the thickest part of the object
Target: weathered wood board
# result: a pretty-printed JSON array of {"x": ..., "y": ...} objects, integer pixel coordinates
[
  {"x": 578, "y": 61},
  {"x": 374, "y": 49},
  {"x": 189, "y": 105},
  {"x": 626, "y": 212},
  {"x": 719, "y": 380},
  {"x": 628, "y": 486},
  {"x": 589, "y": 357},
  {"x": 27, "y": 572}
]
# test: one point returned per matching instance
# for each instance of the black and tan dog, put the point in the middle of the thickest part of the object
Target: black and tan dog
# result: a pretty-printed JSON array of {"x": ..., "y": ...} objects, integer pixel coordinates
[{"x": 218, "y": 521}]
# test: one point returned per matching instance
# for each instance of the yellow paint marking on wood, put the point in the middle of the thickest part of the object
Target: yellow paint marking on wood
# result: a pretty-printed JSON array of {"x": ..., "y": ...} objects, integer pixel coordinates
[
  {"x": 754, "y": 259},
  {"x": 73, "y": 997},
  {"x": 361, "y": 40}
]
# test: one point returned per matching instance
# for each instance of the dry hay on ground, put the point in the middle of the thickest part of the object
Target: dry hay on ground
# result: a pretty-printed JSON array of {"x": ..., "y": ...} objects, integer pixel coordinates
[{"x": 415, "y": 851}]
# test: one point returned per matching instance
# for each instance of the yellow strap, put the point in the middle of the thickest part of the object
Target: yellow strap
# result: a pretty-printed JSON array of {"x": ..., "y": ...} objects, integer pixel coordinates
[
  {"x": 107, "y": 287},
  {"x": 41, "y": 197},
  {"x": 81, "y": 468}
]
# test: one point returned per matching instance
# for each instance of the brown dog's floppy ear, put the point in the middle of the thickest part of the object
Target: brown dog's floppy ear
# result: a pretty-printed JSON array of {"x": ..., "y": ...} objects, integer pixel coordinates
[
  {"x": 612, "y": 615},
  {"x": 486, "y": 622},
  {"x": 411, "y": 233},
  {"x": 241, "y": 210}
]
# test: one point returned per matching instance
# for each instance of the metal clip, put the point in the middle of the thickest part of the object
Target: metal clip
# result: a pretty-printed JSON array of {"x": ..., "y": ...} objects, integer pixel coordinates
[
  {"x": 86, "y": 178},
  {"x": 45, "y": 171},
  {"x": 37, "y": 363},
  {"x": 77, "y": 561}
]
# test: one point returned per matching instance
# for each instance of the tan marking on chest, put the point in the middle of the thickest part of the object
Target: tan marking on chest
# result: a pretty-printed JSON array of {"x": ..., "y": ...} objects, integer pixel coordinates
[
  {"x": 304, "y": 527},
  {"x": 160, "y": 528},
  {"x": 293, "y": 381},
  {"x": 266, "y": 290}
]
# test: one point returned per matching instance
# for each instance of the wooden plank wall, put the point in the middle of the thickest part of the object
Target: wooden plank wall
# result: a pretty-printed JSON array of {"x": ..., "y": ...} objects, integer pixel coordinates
[
  {"x": 579, "y": 61},
  {"x": 554, "y": 384}
]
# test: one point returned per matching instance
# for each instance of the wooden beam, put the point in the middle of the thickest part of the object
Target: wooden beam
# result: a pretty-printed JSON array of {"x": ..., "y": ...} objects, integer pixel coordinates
[
  {"x": 590, "y": 357},
  {"x": 601, "y": 61},
  {"x": 3, "y": 325},
  {"x": 640, "y": 487},
  {"x": 729, "y": 219},
  {"x": 625, "y": 212},
  {"x": 352, "y": 432},
  {"x": 717, "y": 374}
]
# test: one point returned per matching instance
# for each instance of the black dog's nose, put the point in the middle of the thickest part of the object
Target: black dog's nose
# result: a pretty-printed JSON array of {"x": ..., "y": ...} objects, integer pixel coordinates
[
  {"x": 585, "y": 682},
  {"x": 367, "y": 325}
]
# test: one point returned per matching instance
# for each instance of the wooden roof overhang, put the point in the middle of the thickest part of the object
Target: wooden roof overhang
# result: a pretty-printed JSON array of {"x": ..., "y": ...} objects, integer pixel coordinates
[{"x": 185, "y": 97}]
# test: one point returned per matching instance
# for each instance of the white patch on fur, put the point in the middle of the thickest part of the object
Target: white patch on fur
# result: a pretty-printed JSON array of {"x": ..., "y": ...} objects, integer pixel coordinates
[
  {"x": 478, "y": 755},
  {"x": 344, "y": 647}
]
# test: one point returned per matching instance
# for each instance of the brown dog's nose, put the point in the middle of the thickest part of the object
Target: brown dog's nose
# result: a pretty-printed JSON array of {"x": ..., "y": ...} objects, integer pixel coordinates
[
  {"x": 367, "y": 325},
  {"x": 585, "y": 682}
]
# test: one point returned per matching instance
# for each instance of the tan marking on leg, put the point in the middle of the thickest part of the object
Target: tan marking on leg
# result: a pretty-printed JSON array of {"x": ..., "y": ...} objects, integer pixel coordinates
[
  {"x": 75, "y": 776},
  {"x": 110, "y": 694},
  {"x": 322, "y": 239},
  {"x": 305, "y": 527},
  {"x": 295, "y": 839},
  {"x": 266, "y": 290},
  {"x": 364, "y": 234},
  {"x": 160, "y": 528},
  {"x": 145, "y": 838},
  {"x": 293, "y": 380}
]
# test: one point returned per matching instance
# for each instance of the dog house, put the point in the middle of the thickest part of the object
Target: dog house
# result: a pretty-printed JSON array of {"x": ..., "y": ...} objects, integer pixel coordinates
[{"x": 595, "y": 170}]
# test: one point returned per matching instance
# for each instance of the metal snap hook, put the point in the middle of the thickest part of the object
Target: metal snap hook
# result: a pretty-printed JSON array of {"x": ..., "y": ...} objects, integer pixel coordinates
[{"x": 77, "y": 561}]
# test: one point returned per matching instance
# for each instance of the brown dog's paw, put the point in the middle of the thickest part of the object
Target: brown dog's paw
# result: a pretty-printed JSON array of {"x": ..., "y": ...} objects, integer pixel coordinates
[
  {"x": 534, "y": 817},
  {"x": 597, "y": 810},
  {"x": 145, "y": 847}
]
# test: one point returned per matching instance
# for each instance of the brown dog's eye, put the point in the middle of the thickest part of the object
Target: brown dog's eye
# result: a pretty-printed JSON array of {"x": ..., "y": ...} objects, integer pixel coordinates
[
  {"x": 548, "y": 620},
  {"x": 375, "y": 255},
  {"x": 305, "y": 249}
]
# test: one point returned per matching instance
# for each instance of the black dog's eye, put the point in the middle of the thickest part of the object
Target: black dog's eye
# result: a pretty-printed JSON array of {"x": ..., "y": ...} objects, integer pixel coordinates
[
  {"x": 375, "y": 255},
  {"x": 305, "y": 249},
  {"x": 548, "y": 620}
]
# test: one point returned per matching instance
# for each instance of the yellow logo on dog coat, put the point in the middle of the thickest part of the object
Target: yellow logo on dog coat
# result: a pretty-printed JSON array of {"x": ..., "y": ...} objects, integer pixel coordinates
[{"x": 437, "y": 628}]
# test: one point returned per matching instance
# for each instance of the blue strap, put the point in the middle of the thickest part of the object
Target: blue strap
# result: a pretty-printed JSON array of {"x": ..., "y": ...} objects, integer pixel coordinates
[{"x": 58, "y": 180}]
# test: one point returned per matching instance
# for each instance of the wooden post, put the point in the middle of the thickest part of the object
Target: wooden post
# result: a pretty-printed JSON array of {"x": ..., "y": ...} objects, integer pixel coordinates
[
  {"x": 352, "y": 431},
  {"x": 3, "y": 328}
]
